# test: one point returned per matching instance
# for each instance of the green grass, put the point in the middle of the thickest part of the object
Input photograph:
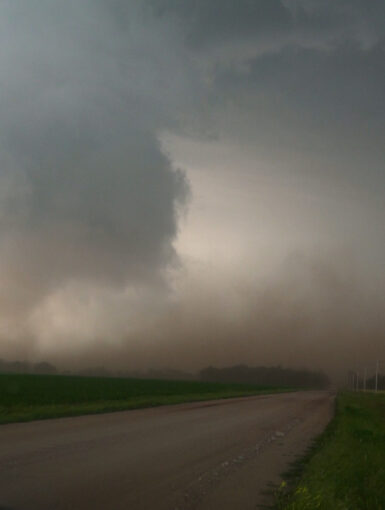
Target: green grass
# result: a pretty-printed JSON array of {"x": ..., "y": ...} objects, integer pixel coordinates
[
  {"x": 345, "y": 469},
  {"x": 33, "y": 397}
]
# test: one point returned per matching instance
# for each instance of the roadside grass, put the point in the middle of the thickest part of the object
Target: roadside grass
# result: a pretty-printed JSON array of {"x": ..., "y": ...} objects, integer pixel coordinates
[
  {"x": 345, "y": 468},
  {"x": 25, "y": 397}
]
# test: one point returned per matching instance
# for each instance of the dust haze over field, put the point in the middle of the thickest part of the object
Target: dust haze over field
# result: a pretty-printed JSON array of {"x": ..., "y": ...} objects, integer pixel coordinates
[{"x": 192, "y": 183}]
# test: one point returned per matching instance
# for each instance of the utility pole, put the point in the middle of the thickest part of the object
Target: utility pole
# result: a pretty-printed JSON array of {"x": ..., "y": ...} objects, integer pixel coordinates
[
  {"x": 377, "y": 368},
  {"x": 365, "y": 373}
]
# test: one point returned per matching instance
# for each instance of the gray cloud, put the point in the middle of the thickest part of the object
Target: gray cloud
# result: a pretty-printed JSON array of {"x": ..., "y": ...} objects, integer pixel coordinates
[
  {"x": 301, "y": 82},
  {"x": 86, "y": 189},
  {"x": 272, "y": 24},
  {"x": 312, "y": 110}
]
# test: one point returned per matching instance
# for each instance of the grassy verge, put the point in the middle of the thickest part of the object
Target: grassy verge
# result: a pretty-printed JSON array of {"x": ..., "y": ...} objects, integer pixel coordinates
[
  {"x": 33, "y": 397},
  {"x": 345, "y": 470}
]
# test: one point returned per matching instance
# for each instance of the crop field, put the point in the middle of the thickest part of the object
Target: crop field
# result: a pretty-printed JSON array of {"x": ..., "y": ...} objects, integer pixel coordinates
[
  {"x": 345, "y": 469},
  {"x": 32, "y": 397}
]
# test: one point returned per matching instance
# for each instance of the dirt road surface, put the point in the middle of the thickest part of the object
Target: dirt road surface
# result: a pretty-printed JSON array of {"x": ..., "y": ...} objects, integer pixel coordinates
[{"x": 220, "y": 454}]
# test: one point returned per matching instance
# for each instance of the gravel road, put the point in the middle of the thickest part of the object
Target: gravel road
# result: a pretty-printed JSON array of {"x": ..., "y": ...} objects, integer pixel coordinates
[{"x": 221, "y": 454}]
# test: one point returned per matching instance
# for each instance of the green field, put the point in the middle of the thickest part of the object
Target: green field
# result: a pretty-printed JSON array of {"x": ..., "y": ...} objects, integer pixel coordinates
[
  {"x": 33, "y": 397},
  {"x": 346, "y": 468}
]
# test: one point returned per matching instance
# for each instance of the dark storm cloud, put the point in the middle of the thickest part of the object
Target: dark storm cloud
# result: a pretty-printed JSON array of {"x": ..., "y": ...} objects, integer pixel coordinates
[
  {"x": 325, "y": 108},
  {"x": 87, "y": 196},
  {"x": 86, "y": 189},
  {"x": 206, "y": 23},
  {"x": 301, "y": 81},
  {"x": 222, "y": 22},
  {"x": 303, "y": 77}
]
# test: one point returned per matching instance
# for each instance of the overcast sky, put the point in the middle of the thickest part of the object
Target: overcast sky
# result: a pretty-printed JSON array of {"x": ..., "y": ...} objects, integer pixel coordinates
[{"x": 192, "y": 182}]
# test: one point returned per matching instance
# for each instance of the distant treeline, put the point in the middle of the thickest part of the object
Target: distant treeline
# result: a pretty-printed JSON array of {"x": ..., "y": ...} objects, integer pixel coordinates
[
  {"x": 269, "y": 376},
  {"x": 44, "y": 367},
  {"x": 168, "y": 374},
  {"x": 265, "y": 376},
  {"x": 23, "y": 367}
]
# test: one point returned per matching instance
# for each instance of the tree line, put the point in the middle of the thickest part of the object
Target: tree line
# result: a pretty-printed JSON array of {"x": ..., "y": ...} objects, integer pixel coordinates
[
  {"x": 44, "y": 367},
  {"x": 23, "y": 367},
  {"x": 266, "y": 376}
]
